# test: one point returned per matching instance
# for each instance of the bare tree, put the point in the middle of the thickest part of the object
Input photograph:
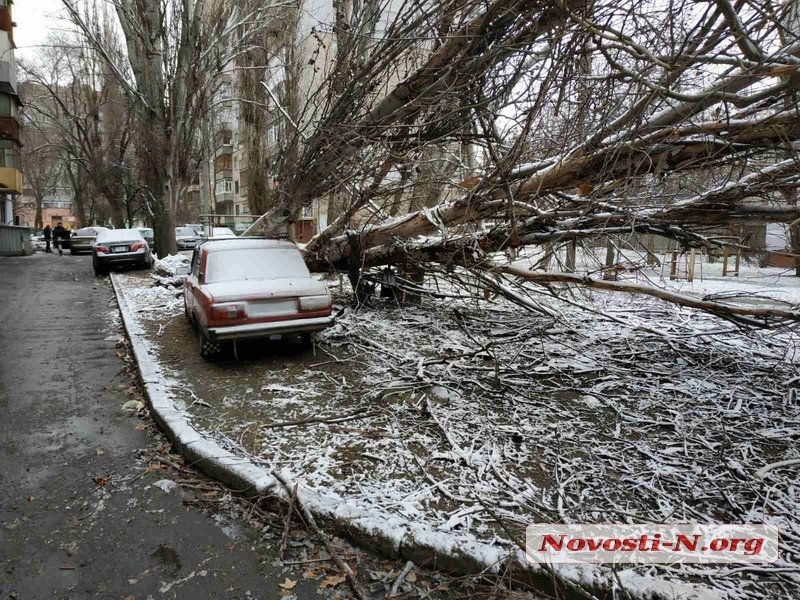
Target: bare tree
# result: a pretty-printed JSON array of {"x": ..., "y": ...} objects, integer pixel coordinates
[
  {"x": 42, "y": 158},
  {"x": 174, "y": 51}
]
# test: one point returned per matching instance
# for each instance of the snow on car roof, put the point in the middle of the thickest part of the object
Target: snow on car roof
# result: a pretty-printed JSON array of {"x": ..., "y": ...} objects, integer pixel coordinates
[
  {"x": 245, "y": 242},
  {"x": 89, "y": 231},
  {"x": 119, "y": 235}
]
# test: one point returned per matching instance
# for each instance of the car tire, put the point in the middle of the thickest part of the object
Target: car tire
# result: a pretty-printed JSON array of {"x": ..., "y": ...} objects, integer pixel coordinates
[
  {"x": 208, "y": 349},
  {"x": 99, "y": 272}
]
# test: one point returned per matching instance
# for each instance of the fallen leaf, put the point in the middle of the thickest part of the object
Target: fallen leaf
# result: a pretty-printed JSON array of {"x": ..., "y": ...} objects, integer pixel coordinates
[
  {"x": 99, "y": 452},
  {"x": 313, "y": 573},
  {"x": 288, "y": 584},
  {"x": 31, "y": 498},
  {"x": 133, "y": 405},
  {"x": 332, "y": 581},
  {"x": 140, "y": 427},
  {"x": 102, "y": 480},
  {"x": 411, "y": 577}
]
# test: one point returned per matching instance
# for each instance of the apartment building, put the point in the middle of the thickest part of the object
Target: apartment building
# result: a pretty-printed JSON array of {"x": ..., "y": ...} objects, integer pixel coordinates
[
  {"x": 10, "y": 169},
  {"x": 228, "y": 171}
]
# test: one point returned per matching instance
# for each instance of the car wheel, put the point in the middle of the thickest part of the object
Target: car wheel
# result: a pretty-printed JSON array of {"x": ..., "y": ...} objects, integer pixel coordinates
[
  {"x": 208, "y": 349},
  {"x": 98, "y": 272}
]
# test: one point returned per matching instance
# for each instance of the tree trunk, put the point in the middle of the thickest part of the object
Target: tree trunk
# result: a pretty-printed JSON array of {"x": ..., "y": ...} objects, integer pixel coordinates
[{"x": 37, "y": 220}]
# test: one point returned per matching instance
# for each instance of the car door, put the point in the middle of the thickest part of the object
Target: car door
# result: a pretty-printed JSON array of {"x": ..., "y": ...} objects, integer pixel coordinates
[{"x": 191, "y": 284}]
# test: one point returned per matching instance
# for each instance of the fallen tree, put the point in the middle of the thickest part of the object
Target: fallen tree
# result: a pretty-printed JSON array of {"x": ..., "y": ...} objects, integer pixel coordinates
[{"x": 588, "y": 119}]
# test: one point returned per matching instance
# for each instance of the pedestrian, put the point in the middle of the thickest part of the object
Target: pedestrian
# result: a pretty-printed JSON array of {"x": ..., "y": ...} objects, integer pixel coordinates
[
  {"x": 48, "y": 235},
  {"x": 60, "y": 234}
]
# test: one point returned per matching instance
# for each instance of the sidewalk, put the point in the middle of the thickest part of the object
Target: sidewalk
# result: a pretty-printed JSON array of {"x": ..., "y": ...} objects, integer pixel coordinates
[{"x": 75, "y": 520}]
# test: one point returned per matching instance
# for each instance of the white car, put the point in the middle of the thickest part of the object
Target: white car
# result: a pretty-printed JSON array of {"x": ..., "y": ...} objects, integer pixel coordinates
[
  {"x": 222, "y": 232},
  {"x": 187, "y": 238},
  {"x": 120, "y": 247}
]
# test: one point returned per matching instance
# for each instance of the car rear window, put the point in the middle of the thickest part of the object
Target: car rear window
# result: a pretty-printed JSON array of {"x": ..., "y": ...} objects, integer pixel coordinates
[
  {"x": 220, "y": 231},
  {"x": 254, "y": 263},
  {"x": 185, "y": 231},
  {"x": 146, "y": 232},
  {"x": 119, "y": 235}
]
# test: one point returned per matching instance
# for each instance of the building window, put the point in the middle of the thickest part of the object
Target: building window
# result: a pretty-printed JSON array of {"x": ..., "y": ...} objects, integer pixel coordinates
[
  {"x": 272, "y": 135},
  {"x": 9, "y": 154},
  {"x": 236, "y": 186},
  {"x": 8, "y": 108},
  {"x": 224, "y": 186},
  {"x": 237, "y": 209},
  {"x": 308, "y": 212}
]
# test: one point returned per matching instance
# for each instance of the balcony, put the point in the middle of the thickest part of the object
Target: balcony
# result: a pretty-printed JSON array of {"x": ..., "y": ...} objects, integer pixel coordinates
[
  {"x": 10, "y": 180},
  {"x": 6, "y": 22},
  {"x": 223, "y": 174},
  {"x": 223, "y": 150},
  {"x": 8, "y": 74}
]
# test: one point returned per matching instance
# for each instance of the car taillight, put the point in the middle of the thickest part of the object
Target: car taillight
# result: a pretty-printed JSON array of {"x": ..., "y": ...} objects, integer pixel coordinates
[
  {"x": 137, "y": 246},
  {"x": 309, "y": 303},
  {"x": 103, "y": 249},
  {"x": 227, "y": 312}
]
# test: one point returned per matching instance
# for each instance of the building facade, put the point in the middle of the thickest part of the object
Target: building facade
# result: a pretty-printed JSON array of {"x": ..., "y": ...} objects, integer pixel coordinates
[{"x": 10, "y": 164}]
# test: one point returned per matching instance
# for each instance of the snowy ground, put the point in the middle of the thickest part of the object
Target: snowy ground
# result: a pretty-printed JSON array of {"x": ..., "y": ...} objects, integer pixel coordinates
[{"x": 460, "y": 413}]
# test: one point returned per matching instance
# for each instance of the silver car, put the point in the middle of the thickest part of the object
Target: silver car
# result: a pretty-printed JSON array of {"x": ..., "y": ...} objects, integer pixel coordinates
[
  {"x": 120, "y": 248},
  {"x": 83, "y": 239},
  {"x": 187, "y": 238}
]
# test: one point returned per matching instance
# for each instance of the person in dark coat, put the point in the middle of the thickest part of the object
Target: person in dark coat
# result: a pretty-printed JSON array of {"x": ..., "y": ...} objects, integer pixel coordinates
[
  {"x": 48, "y": 235},
  {"x": 60, "y": 233}
]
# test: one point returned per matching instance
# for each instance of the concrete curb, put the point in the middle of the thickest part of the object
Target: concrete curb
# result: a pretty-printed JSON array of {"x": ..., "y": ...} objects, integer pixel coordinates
[{"x": 390, "y": 535}]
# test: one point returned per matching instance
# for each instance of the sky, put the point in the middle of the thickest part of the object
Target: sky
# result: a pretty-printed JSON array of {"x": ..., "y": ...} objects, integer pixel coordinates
[{"x": 35, "y": 19}]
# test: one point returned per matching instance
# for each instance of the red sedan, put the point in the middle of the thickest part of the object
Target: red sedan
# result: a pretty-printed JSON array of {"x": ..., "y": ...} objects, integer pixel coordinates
[{"x": 252, "y": 287}]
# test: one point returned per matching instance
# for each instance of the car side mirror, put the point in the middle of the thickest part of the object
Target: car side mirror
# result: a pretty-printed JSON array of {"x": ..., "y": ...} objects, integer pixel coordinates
[{"x": 182, "y": 270}]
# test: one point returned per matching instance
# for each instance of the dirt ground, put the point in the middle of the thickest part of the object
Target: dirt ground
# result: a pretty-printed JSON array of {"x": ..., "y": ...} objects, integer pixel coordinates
[{"x": 464, "y": 414}]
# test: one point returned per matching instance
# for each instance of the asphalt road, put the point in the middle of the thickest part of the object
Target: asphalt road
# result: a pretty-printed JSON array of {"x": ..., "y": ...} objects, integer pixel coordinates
[{"x": 62, "y": 429}]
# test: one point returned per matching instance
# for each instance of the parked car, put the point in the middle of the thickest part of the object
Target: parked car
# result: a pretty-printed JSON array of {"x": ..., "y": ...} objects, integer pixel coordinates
[
  {"x": 252, "y": 287},
  {"x": 120, "y": 247},
  {"x": 187, "y": 238},
  {"x": 148, "y": 236},
  {"x": 222, "y": 232},
  {"x": 83, "y": 239}
]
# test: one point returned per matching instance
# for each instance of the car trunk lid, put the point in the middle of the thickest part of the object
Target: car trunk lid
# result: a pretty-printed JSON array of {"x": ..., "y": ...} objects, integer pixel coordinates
[{"x": 266, "y": 291}]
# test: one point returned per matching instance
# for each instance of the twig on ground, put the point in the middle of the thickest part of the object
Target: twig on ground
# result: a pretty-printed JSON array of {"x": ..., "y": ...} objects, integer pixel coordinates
[
  {"x": 312, "y": 523},
  {"x": 360, "y": 414},
  {"x": 400, "y": 579}
]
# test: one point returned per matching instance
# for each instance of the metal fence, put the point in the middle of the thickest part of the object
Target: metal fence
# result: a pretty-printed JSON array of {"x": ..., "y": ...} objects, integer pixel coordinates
[{"x": 15, "y": 241}]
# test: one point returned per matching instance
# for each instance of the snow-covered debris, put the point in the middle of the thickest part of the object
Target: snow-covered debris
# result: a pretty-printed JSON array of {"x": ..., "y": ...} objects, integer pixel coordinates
[
  {"x": 165, "y": 270},
  {"x": 454, "y": 414},
  {"x": 166, "y": 485},
  {"x": 168, "y": 265}
]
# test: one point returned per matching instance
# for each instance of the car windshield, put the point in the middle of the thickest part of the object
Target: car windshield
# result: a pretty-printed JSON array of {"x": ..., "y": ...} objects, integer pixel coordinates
[
  {"x": 119, "y": 235},
  {"x": 185, "y": 232},
  {"x": 239, "y": 264}
]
